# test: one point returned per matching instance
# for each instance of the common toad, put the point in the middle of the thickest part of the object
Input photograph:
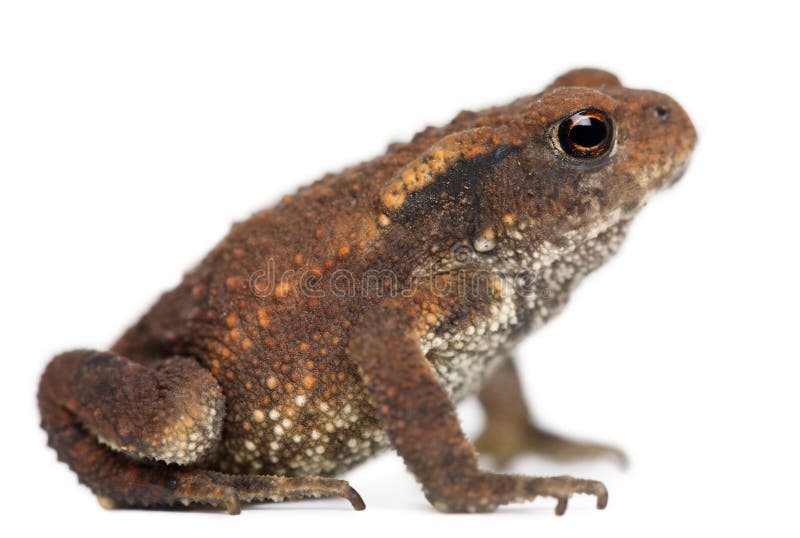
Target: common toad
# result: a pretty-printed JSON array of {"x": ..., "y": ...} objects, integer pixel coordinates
[{"x": 354, "y": 315}]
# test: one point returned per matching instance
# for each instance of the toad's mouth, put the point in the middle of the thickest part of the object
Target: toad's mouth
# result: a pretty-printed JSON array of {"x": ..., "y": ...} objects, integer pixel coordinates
[
  {"x": 676, "y": 173},
  {"x": 617, "y": 218}
]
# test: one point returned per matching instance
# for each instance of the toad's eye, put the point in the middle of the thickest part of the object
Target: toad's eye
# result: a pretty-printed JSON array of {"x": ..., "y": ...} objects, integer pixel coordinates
[{"x": 587, "y": 134}]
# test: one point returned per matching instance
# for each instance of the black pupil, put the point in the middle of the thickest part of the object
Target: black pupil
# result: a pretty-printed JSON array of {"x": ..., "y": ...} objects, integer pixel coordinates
[{"x": 588, "y": 132}]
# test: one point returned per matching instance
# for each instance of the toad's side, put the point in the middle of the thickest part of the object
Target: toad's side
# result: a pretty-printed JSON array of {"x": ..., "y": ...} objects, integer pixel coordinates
[{"x": 353, "y": 315}]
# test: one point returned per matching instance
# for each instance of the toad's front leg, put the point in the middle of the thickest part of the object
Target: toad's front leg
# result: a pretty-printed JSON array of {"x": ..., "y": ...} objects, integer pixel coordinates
[
  {"x": 511, "y": 430},
  {"x": 422, "y": 424}
]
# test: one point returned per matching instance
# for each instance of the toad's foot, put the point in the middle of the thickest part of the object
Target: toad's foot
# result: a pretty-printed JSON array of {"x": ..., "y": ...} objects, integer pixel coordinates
[
  {"x": 483, "y": 491},
  {"x": 563, "y": 487},
  {"x": 229, "y": 491},
  {"x": 504, "y": 441}
]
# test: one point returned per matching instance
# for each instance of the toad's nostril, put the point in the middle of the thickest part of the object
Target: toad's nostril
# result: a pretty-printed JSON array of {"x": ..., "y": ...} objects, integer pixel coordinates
[{"x": 661, "y": 112}]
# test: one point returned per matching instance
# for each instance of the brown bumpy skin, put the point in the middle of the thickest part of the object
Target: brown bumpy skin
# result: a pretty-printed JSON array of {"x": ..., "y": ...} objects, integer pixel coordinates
[{"x": 355, "y": 314}]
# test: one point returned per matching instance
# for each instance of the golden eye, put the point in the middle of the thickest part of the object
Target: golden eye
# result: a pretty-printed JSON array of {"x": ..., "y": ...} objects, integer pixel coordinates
[{"x": 587, "y": 134}]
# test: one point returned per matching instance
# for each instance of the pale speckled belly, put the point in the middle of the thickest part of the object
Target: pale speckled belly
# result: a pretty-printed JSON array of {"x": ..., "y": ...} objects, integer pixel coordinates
[
  {"x": 305, "y": 437},
  {"x": 464, "y": 356}
]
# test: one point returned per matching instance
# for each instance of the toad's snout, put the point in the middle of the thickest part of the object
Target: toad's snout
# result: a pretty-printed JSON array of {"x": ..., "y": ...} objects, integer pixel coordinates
[{"x": 672, "y": 138}]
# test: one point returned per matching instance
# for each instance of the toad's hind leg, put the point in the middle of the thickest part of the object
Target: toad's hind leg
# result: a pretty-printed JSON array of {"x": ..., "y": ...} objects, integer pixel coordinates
[
  {"x": 511, "y": 431},
  {"x": 133, "y": 433}
]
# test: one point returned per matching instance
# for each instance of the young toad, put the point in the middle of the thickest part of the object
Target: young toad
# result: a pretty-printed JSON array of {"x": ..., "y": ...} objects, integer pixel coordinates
[{"x": 355, "y": 314}]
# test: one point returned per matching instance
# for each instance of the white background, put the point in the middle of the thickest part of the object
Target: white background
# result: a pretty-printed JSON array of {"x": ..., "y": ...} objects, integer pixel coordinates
[{"x": 133, "y": 133}]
